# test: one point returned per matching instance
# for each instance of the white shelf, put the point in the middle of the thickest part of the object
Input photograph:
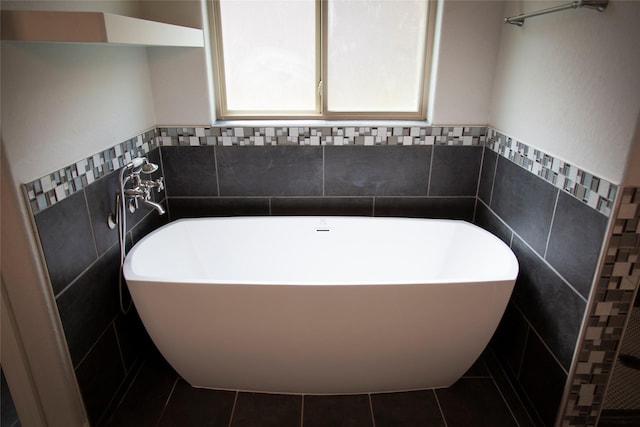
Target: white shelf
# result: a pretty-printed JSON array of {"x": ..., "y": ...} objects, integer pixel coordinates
[{"x": 94, "y": 27}]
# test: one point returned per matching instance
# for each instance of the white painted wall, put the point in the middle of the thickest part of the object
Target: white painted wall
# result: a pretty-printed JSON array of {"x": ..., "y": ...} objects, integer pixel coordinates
[
  {"x": 568, "y": 84},
  {"x": 179, "y": 78},
  {"x": 65, "y": 102},
  {"x": 632, "y": 173},
  {"x": 180, "y": 87},
  {"x": 464, "y": 62},
  {"x": 62, "y": 103}
]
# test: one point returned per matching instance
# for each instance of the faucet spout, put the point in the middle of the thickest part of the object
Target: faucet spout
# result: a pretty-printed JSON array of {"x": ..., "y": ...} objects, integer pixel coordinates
[{"x": 157, "y": 206}]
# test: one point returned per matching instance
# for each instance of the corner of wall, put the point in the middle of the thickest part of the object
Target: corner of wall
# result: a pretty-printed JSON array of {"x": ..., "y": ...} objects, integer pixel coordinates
[
  {"x": 632, "y": 170},
  {"x": 38, "y": 325},
  {"x": 469, "y": 30}
]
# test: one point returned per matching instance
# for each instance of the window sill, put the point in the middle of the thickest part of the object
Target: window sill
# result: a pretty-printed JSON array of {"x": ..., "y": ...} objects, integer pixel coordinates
[{"x": 319, "y": 123}]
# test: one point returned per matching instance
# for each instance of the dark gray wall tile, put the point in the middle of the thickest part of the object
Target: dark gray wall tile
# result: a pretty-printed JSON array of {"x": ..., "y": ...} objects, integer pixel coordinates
[
  {"x": 224, "y": 206},
  {"x": 99, "y": 375},
  {"x": 191, "y": 406},
  {"x": 509, "y": 339},
  {"x": 411, "y": 409},
  {"x": 132, "y": 336},
  {"x": 101, "y": 197},
  {"x": 525, "y": 202},
  {"x": 543, "y": 380},
  {"x": 426, "y": 207},
  {"x": 474, "y": 402},
  {"x": 575, "y": 242},
  {"x": 267, "y": 410},
  {"x": 490, "y": 222},
  {"x": 67, "y": 240},
  {"x": 143, "y": 403},
  {"x": 270, "y": 171},
  {"x": 190, "y": 171},
  {"x": 512, "y": 393},
  {"x": 487, "y": 174},
  {"x": 377, "y": 171},
  {"x": 478, "y": 369},
  {"x": 89, "y": 305},
  {"x": 358, "y": 206},
  {"x": 337, "y": 410},
  {"x": 8, "y": 414},
  {"x": 455, "y": 170},
  {"x": 550, "y": 305}
]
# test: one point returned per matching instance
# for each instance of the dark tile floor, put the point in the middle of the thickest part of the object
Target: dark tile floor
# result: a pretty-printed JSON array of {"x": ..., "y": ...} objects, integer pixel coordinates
[{"x": 159, "y": 397}]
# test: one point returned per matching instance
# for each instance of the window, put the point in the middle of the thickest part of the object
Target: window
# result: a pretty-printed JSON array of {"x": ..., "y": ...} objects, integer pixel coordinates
[{"x": 361, "y": 59}]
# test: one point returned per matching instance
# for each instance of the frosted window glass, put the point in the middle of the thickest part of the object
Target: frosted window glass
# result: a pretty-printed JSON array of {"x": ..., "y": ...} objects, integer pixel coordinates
[
  {"x": 269, "y": 55},
  {"x": 376, "y": 54}
]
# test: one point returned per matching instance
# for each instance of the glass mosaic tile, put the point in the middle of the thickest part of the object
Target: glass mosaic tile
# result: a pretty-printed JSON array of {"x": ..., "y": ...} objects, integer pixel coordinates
[
  {"x": 592, "y": 190},
  {"x": 584, "y": 186},
  {"x": 609, "y": 308}
]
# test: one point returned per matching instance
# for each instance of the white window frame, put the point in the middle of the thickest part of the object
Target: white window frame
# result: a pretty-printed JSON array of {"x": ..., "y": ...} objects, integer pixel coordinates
[{"x": 322, "y": 112}]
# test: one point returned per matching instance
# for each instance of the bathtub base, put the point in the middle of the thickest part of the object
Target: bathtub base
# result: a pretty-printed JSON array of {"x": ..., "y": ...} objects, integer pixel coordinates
[{"x": 321, "y": 339}]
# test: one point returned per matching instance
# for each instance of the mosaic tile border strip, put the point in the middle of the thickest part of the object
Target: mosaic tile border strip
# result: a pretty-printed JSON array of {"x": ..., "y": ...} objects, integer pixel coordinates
[
  {"x": 50, "y": 189},
  {"x": 323, "y": 135},
  {"x": 590, "y": 189},
  {"x": 611, "y": 305}
]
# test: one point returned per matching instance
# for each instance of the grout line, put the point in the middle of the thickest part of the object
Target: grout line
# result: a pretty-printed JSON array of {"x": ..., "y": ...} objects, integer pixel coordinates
[
  {"x": 373, "y": 418},
  {"x": 316, "y": 197},
  {"x": 477, "y": 196},
  {"x": 93, "y": 237},
  {"x": 323, "y": 191},
  {"x": 124, "y": 395},
  {"x": 444, "y": 420},
  {"x": 111, "y": 410},
  {"x": 75, "y": 279},
  {"x": 553, "y": 217},
  {"x": 373, "y": 206},
  {"x": 233, "y": 409},
  {"x": 484, "y": 151},
  {"x": 215, "y": 163},
  {"x": 115, "y": 330},
  {"x": 433, "y": 149},
  {"x": 504, "y": 400},
  {"x": 302, "y": 411},
  {"x": 475, "y": 210},
  {"x": 551, "y": 267},
  {"x": 493, "y": 181},
  {"x": 544, "y": 261},
  {"x": 544, "y": 343},
  {"x": 524, "y": 345},
  {"x": 166, "y": 193},
  {"x": 501, "y": 371},
  {"x": 94, "y": 344},
  {"x": 166, "y": 403}
]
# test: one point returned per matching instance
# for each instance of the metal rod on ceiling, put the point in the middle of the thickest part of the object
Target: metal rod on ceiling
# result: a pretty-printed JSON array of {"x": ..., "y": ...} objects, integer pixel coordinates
[{"x": 598, "y": 5}]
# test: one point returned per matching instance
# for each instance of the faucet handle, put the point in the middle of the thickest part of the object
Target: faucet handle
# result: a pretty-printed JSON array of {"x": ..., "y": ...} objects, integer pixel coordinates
[{"x": 160, "y": 182}]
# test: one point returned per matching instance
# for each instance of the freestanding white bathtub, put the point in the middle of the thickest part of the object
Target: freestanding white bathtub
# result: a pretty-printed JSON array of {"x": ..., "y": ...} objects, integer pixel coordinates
[{"x": 320, "y": 305}]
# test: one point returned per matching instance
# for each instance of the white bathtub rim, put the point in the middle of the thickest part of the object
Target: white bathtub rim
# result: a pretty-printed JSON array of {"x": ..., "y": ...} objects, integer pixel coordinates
[{"x": 507, "y": 276}]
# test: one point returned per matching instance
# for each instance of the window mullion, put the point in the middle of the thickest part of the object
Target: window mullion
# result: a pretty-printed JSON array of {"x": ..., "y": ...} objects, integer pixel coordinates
[{"x": 321, "y": 49}]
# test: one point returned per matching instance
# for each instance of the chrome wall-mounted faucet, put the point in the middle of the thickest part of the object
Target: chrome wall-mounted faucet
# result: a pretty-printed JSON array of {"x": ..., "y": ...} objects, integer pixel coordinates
[
  {"x": 129, "y": 198},
  {"x": 140, "y": 190}
]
